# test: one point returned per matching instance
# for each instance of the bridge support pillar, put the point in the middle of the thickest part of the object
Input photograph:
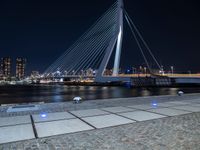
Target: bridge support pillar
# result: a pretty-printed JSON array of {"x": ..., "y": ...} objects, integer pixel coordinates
[{"x": 119, "y": 40}]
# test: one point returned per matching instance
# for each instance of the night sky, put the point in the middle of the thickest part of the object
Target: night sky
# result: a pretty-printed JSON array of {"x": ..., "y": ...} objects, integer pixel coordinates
[{"x": 42, "y": 30}]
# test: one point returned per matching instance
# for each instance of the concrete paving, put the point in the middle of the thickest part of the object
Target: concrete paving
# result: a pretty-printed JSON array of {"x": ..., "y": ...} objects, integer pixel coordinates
[
  {"x": 52, "y": 116},
  {"x": 16, "y": 133},
  {"x": 107, "y": 120},
  {"x": 89, "y": 112},
  {"x": 118, "y": 109},
  {"x": 188, "y": 108},
  {"x": 141, "y": 115},
  {"x": 45, "y": 129},
  {"x": 195, "y": 105},
  {"x": 7, "y": 121},
  {"x": 144, "y": 106},
  {"x": 179, "y": 103},
  {"x": 196, "y": 100},
  {"x": 166, "y": 104},
  {"x": 169, "y": 111}
]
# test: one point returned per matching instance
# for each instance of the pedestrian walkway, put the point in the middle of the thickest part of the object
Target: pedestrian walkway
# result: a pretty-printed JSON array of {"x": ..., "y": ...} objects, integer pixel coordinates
[{"x": 49, "y": 124}]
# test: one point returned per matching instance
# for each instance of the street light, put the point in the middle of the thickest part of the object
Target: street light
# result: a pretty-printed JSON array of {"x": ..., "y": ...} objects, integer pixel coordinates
[
  {"x": 145, "y": 70},
  {"x": 161, "y": 71},
  {"x": 172, "y": 69},
  {"x": 134, "y": 70}
]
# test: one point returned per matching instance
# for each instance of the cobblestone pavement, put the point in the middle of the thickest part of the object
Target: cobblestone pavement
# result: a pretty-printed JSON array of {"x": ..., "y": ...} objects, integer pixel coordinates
[{"x": 179, "y": 132}]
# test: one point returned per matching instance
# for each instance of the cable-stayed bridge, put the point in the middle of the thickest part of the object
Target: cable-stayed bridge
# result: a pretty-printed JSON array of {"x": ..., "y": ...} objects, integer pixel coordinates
[{"x": 93, "y": 50}]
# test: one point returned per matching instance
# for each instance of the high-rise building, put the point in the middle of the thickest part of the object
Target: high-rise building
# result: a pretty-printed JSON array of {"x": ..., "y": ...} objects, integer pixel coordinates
[
  {"x": 1, "y": 71},
  {"x": 6, "y": 66},
  {"x": 20, "y": 67}
]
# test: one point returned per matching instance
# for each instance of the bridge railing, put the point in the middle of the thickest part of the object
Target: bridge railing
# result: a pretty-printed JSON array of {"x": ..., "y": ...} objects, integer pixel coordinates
[{"x": 166, "y": 75}]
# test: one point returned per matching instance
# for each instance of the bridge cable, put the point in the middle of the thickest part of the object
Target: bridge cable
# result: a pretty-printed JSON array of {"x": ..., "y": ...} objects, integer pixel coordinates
[
  {"x": 89, "y": 33},
  {"x": 138, "y": 43},
  {"x": 84, "y": 53},
  {"x": 144, "y": 42},
  {"x": 80, "y": 51}
]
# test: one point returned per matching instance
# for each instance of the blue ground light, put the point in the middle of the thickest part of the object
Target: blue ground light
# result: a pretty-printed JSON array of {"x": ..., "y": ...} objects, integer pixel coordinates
[
  {"x": 154, "y": 104},
  {"x": 43, "y": 115}
]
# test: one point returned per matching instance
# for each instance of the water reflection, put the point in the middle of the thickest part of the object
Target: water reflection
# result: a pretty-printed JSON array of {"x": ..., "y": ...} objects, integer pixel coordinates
[
  {"x": 145, "y": 92},
  {"x": 57, "y": 98},
  {"x": 60, "y": 93}
]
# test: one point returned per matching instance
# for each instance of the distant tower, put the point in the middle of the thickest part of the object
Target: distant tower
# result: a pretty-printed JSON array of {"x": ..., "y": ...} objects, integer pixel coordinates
[
  {"x": 20, "y": 67},
  {"x": 6, "y": 66}
]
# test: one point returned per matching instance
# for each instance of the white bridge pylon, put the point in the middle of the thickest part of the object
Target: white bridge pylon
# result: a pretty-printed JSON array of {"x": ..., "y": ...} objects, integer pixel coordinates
[
  {"x": 117, "y": 40},
  {"x": 118, "y": 54}
]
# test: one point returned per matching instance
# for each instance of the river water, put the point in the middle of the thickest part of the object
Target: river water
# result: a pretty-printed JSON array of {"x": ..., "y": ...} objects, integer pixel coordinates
[{"x": 61, "y": 93}]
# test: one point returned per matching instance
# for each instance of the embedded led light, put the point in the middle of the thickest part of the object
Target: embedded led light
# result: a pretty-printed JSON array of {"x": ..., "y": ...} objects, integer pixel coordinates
[
  {"x": 155, "y": 104},
  {"x": 43, "y": 115}
]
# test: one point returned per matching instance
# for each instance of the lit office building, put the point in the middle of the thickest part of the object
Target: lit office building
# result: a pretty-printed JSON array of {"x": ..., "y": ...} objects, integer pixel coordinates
[
  {"x": 6, "y": 67},
  {"x": 20, "y": 67}
]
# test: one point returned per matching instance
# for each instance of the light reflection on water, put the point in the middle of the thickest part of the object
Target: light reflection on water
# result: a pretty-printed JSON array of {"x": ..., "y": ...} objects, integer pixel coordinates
[
  {"x": 60, "y": 93},
  {"x": 145, "y": 92}
]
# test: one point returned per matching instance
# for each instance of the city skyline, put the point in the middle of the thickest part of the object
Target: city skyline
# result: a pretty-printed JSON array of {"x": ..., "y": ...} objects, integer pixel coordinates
[
  {"x": 42, "y": 31},
  {"x": 10, "y": 67}
]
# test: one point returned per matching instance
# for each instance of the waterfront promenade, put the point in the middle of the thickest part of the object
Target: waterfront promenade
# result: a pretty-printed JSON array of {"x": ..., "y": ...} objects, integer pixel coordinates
[{"x": 156, "y": 122}]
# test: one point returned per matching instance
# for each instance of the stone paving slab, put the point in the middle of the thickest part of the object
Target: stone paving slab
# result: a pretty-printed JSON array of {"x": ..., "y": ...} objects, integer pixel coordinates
[
  {"x": 169, "y": 111},
  {"x": 193, "y": 101},
  {"x": 16, "y": 133},
  {"x": 141, "y": 115},
  {"x": 179, "y": 103},
  {"x": 195, "y": 105},
  {"x": 188, "y": 108},
  {"x": 52, "y": 116},
  {"x": 107, "y": 120},
  {"x": 6, "y": 121},
  {"x": 89, "y": 112},
  {"x": 118, "y": 109},
  {"x": 166, "y": 104},
  {"x": 144, "y": 106},
  {"x": 45, "y": 129}
]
